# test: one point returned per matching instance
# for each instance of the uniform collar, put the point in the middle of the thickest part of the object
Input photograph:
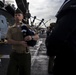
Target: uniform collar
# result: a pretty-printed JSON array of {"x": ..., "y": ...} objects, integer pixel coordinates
[{"x": 14, "y": 25}]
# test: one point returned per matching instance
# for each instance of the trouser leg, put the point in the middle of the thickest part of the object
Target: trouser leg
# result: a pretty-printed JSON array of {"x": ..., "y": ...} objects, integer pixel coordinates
[
  {"x": 25, "y": 65},
  {"x": 12, "y": 66},
  {"x": 50, "y": 64}
]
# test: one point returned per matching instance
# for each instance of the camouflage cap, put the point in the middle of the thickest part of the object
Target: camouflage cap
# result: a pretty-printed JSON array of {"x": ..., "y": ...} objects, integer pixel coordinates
[{"x": 18, "y": 11}]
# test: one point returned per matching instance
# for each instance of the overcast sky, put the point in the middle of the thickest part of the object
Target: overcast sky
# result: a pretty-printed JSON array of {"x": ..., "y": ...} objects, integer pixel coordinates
[{"x": 46, "y": 9}]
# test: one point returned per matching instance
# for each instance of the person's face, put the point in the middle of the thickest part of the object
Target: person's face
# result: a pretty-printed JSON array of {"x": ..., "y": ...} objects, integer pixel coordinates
[{"x": 18, "y": 17}]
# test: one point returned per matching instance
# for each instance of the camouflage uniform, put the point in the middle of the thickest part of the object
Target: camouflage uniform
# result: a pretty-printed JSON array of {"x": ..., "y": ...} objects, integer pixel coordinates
[{"x": 20, "y": 60}]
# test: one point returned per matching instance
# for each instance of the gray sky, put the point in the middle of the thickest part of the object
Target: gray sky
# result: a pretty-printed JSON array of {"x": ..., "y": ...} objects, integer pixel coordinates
[{"x": 46, "y": 9}]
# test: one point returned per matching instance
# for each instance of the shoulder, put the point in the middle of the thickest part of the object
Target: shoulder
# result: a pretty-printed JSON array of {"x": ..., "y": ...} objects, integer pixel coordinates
[{"x": 11, "y": 27}]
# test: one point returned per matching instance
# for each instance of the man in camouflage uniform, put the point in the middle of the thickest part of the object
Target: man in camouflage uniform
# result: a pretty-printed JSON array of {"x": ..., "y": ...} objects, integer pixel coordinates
[{"x": 20, "y": 58}]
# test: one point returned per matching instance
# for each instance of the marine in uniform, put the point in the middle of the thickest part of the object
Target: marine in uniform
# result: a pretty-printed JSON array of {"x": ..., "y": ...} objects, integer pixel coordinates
[{"x": 20, "y": 58}]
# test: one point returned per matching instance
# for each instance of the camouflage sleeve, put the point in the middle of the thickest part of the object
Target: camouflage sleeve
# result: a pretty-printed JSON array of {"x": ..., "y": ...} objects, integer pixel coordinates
[{"x": 9, "y": 34}]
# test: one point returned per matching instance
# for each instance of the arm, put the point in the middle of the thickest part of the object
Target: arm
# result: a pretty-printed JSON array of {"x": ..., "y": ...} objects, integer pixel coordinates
[
  {"x": 14, "y": 42},
  {"x": 10, "y": 41},
  {"x": 32, "y": 37}
]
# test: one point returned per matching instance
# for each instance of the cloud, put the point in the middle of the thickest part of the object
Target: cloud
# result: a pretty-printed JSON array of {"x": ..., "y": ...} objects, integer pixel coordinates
[{"x": 44, "y": 8}]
